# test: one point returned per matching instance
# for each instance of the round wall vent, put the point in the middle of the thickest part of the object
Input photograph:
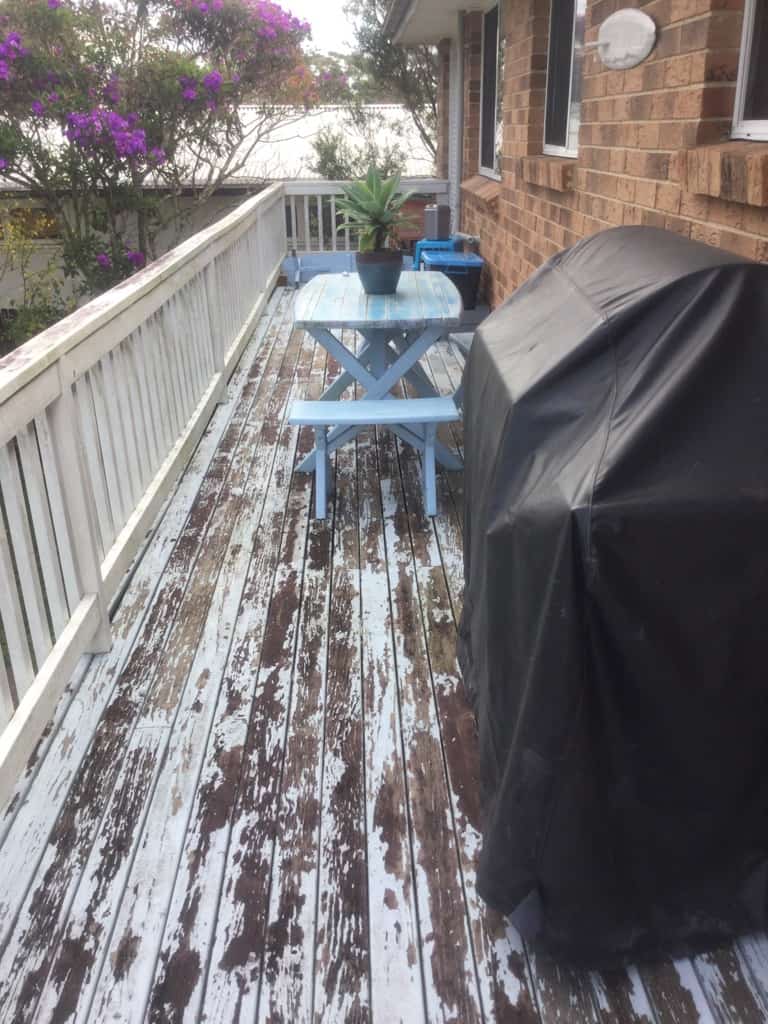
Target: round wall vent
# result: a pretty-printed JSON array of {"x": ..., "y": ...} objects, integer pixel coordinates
[{"x": 625, "y": 39}]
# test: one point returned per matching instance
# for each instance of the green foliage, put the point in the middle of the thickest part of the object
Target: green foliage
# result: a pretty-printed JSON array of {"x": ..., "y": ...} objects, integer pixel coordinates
[
  {"x": 43, "y": 301},
  {"x": 373, "y": 207},
  {"x": 338, "y": 159},
  {"x": 109, "y": 109},
  {"x": 381, "y": 72}
]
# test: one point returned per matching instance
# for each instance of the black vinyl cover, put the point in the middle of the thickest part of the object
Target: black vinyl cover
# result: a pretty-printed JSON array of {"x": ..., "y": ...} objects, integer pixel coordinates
[{"x": 614, "y": 637}]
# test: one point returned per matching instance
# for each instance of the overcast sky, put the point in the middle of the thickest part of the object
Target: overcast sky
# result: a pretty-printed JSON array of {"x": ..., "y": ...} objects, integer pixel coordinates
[{"x": 330, "y": 29}]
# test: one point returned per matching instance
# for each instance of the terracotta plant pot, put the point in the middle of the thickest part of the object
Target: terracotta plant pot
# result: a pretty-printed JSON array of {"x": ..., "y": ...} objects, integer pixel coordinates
[{"x": 379, "y": 271}]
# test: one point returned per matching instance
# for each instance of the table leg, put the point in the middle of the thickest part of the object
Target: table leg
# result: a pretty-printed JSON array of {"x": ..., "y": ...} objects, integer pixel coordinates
[
  {"x": 428, "y": 465},
  {"x": 321, "y": 473},
  {"x": 425, "y": 389},
  {"x": 384, "y": 373},
  {"x": 345, "y": 379}
]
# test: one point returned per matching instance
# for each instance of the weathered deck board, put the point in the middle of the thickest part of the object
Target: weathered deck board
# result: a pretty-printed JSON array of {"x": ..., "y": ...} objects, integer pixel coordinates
[
  {"x": 127, "y": 974},
  {"x": 94, "y": 724},
  {"x": 342, "y": 967},
  {"x": 91, "y": 871},
  {"x": 238, "y": 956},
  {"x": 263, "y": 803},
  {"x": 447, "y": 960},
  {"x": 190, "y": 925},
  {"x": 396, "y": 988},
  {"x": 286, "y": 988}
]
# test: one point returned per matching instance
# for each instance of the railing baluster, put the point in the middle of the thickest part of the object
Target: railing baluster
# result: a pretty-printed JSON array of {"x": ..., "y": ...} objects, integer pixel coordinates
[
  {"x": 294, "y": 231},
  {"x": 171, "y": 384},
  {"x": 325, "y": 194},
  {"x": 117, "y": 382},
  {"x": 12, "y": 618},
  {"x": 7, "y": 702},
  {"x": 72, "y": 584},
  {"x": 96, "y": 422},
  {"x": 78, "y": 496},
  {"x": 320, "y": 225},
  {"x": 89, "y": 429},
  {"x": 24, "y": 552},
  {"x": 117, "y": 485},
  {"x": 43, "y": 528},
  {"x": 141, "y": 415},
  {"x": 307, "y": 225},
  {"x": 218, "y": 346},
  {"x": 145, "y": 361}
]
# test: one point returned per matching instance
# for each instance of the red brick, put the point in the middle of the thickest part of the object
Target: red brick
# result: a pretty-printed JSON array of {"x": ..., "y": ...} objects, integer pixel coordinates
[{"x": 652, "y": 139}]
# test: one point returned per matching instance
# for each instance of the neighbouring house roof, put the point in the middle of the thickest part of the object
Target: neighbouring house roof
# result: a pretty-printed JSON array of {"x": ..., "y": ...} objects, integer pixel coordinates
[
  {"x": 287, "y": 151},
  {"x": 409, "y": 22}
]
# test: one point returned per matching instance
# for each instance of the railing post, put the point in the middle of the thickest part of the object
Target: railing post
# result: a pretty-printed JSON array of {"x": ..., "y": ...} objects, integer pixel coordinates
[
  {"x": 79, "y": 504},
  {"x": 218, "y": 345}
]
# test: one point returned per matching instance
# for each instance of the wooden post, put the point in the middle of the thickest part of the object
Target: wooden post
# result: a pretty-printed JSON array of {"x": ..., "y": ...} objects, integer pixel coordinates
[
  {"x": 79, "y": 503},
  {"x": 218, "y": 343}
]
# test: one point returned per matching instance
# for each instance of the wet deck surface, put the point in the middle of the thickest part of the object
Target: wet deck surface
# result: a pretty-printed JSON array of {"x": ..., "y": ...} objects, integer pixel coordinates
[{"x": 262, "y": 804}]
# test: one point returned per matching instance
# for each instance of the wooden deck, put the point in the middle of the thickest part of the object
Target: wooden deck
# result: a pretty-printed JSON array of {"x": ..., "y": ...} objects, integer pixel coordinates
[{"x": 262, "y": 804}]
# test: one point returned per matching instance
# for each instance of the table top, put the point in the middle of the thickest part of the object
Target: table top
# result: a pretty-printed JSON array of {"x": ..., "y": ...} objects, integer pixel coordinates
[{"x": 422, "y": 299}]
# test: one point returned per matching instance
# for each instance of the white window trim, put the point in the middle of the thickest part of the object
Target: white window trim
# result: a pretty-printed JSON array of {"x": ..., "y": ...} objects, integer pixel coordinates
[
  {"x": 488, "y": 172},
  {"x": 752, "y": 129},
  {"x": 548, "y": 148}
]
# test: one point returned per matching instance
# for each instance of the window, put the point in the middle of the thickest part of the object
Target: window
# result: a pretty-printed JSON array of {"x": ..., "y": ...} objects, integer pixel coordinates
[
  {"x": 492, "y": 94},
  {"x": 563, "y": 98},
  {"x": 750, "y": 119}
]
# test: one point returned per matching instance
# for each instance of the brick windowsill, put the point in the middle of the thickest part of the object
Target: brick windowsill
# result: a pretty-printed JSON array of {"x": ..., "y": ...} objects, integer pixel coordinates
[
  {"x": 735, "y": 171},
  {"x": 548, "y": 172},
  {"x": 482, "y": 187}
]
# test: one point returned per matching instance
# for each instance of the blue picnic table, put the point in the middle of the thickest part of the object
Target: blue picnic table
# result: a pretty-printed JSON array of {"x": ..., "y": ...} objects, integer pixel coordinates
[{"x": 396, "y": 331}]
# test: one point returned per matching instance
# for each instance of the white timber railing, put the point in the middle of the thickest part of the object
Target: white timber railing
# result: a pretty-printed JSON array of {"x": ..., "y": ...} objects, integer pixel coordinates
[
  {"x": 312, "y": 220},
  {"x": 98, "y": 416}
]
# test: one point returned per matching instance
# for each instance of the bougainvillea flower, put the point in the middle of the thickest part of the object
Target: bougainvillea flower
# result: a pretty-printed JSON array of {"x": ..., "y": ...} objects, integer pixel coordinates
[
  {"x": 213, "y": 80},
  {"x": 102, "y": 127},
  {"x": 104, "y": 260},
  {"x": 136, "y": 259}
]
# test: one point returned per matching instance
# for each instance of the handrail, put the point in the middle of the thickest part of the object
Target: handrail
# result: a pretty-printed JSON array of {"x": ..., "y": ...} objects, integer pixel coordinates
[
  {"x": 31, "y": 358},
  {"x": 98, "y": 415},
  {"x": 313, "y": 220},
  {"x": 322, "y": 187}
]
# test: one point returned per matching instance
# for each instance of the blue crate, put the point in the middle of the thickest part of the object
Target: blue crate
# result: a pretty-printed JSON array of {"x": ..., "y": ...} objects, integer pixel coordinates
[
  {"x": 434, "y": 245},
  {"x": 463, "y": 268}
]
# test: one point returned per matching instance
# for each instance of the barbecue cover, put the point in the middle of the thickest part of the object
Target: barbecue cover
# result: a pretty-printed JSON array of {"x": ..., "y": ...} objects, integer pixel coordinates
[{"x": 614, "y": 638}]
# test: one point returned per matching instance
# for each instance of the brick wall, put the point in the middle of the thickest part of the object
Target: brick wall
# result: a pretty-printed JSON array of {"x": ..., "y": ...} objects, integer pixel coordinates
[
  {"x": 652, "y": 145},
  {"x": 473, "y": 41}
]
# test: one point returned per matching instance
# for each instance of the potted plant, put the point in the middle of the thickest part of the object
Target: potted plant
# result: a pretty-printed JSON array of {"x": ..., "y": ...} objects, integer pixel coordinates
[{"x": 373, "y": 208}]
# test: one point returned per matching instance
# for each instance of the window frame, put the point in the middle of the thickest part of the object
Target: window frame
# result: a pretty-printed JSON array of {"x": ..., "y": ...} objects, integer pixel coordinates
[
  {"x": 548, "y": 148},
  {"x": 489, "y": 172},
  {"x": 754, "y": 129}
]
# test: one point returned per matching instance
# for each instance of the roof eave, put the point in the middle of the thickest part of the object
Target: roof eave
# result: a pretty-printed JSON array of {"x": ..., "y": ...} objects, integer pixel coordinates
[
  {"x": 397, "y": 18},
  {"x": 420, "y": 22}
]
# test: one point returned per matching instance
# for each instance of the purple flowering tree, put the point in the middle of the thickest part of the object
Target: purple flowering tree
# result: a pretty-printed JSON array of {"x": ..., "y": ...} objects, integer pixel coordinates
[{"x": 111, "y": 109}]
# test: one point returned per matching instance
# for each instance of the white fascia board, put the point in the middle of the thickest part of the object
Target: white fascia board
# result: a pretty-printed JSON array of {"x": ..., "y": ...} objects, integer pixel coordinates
[{"x": 429, "y": 21}]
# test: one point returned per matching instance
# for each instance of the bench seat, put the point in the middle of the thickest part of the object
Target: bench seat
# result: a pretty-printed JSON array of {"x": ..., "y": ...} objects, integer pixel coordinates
[{"x": 382, "y": 412}]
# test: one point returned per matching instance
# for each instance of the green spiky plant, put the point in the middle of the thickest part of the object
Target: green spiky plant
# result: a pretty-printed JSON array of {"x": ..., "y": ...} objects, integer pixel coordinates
[{"x": 373, "y": 207}]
